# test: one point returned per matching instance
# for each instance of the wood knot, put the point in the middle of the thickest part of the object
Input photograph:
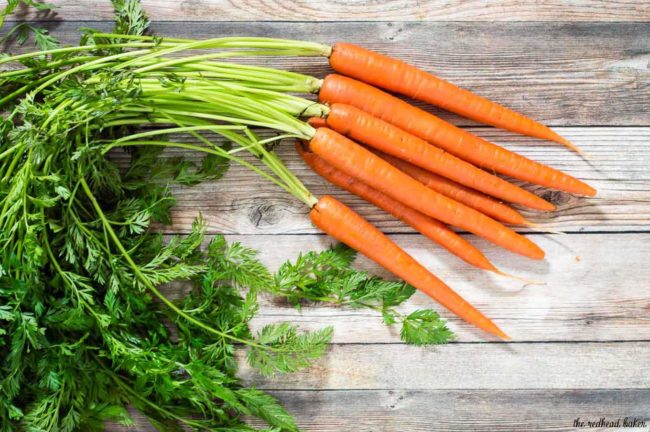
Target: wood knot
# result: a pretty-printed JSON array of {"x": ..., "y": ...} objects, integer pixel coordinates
[
  {"x": 557, "y": 198},
  {"x": 265, "y": 214}
]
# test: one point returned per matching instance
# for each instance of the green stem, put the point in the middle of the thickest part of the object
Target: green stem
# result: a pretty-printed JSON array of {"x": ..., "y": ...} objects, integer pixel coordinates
[
  {"x": 202, "y": 87},
  {"x": 269, "y": 114},
  {"x": 214, "y": 128},
  {"x": 304, "y": 47},
  {"x": 10, "y": 150},
  {"x": 88, "y": 66},
  {"x": 50, "y": 65}
]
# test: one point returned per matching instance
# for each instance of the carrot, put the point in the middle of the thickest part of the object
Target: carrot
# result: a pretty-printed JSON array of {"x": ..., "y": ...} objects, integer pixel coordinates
[
  {"x": 399, "y": 77},
  {"x": 367, "y": 129},
  {"x": 339, "y": 89},
  {"x": 317, "y": 122},
  {"x": 460, "y": 193},
  {"x": 342, "y": 223},
  {"x": 430, "y": 228},
  {"x": 469, "y": 197},
  {"x": 360, "y": 163}
]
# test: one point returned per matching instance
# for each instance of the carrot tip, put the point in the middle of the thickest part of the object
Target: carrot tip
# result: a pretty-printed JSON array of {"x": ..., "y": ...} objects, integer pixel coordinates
[
  {"x": 570, "y": 145},
  {"x": 519, "y": 278},
  {"x": 540, "y": 228},
  {"x": 547, "y": 207},
  {"x": 500, "y": 333},
  {"x": 590, "y": 192},
  {"x": 504, "y": 336}
]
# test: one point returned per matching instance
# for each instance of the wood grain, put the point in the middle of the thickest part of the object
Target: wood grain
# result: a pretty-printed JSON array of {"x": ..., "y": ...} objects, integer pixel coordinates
[
  {"x": 601, "y": 297},
  {"x": 619, "y": 167},
  {"x": 459, "y": 410},
  {"x": 470, "y": 366},
  {"x": 452, "y": 410},
  {"x": 558, "y": 73},
  {"x": 350, "y": 10}
]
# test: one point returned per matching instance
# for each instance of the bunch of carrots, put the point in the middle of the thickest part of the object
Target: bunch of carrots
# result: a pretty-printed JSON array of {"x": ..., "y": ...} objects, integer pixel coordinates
[
  {"x": 408, "y": 162},
  {"x": 422, "y": 169}
]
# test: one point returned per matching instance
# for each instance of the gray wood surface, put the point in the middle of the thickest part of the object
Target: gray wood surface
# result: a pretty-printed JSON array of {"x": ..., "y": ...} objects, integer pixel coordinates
[
  {"x": 471, "y": 366},
  {"x": 601, "y": 297},
  {"x": 582, "y": 340},
  {"x": 352, "y": 10}
]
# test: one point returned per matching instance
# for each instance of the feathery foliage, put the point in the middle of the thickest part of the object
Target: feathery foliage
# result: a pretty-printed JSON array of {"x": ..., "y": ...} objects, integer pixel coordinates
[{"x": 84, "y": 327}]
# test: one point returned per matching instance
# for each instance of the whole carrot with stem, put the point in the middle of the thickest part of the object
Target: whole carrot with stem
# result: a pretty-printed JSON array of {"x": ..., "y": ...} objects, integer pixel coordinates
[
  {"x": 340, "y": 89},
  {"x": 430, "y": 228},
  {"x": 345, "y": 225},
  {"x": 362, "y": 164},
  {"x": 400, "y": 77},
  {"x": 333, "y": 88},
  {"x": 367, "y": 129}
]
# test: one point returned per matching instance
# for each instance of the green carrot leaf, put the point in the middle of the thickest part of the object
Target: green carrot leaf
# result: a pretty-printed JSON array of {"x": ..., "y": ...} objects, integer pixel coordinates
[
  {"x": 282, "y": 349},
  {"x": 425, "y": 327},
  {"x": 267, "y": 407}
]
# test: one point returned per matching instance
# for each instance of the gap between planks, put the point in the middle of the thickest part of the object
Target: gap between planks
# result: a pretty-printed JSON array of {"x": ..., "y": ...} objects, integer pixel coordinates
[{"x": 348, "y": 10}]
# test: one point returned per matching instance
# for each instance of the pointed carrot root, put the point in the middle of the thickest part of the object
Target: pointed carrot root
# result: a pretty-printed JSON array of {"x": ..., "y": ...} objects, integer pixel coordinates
[
  {"x": 345, "y": 225},
  {"x": 519, "y": 278},
  {"x": 539, "y": 228},
  {"x": 399, "y": 77},
  {"x": 560, "y": 139},
  {"x": 429, "y": 227},
  {"x": 442, "y": 134}
]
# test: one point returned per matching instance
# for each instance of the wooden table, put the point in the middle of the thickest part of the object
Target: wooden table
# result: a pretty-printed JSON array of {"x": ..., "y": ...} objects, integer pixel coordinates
[{"x": 581, "y": 342}]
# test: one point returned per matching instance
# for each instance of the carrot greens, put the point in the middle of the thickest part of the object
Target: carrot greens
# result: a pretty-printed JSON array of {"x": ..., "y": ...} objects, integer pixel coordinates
[{"x": 87, "y": 164}]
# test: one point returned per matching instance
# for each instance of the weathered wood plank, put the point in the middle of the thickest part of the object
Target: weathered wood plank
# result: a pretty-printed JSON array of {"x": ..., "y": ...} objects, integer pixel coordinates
[
  {"x": 453, "y": 410},
  {"x": 460, "y": 411},
  {"x": 470, "y": 366},
  {"x": 560, "y": 74},
  {"x": 619, "y": 167},
  {"x": 348, "y": 10},
  {"x": 603, "y": 296}
]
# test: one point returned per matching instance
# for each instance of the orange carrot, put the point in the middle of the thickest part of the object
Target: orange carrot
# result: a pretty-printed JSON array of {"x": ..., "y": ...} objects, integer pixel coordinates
[
  {"x": 370, "y": 169},
  {"x": 339, "y": 89},
  {"x": 460, "y": 193},
  {"x": 317, "y": 122},
  {"x": 367, "y": 129},
  {"x": 430, "y": 228},
  {"x": 399, "y": 77},
  {"x": 469, "y": 197},
  {"x": 342, "y": 223}
]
